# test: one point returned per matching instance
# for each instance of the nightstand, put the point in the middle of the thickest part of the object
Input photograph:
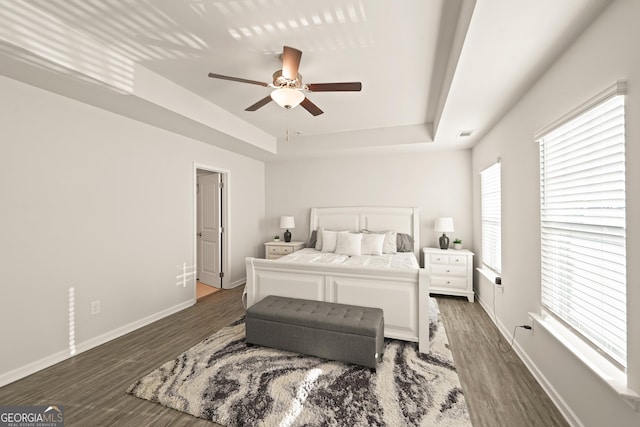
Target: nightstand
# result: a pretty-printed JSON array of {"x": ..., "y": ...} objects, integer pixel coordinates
[
  {"x": 275, "y": 250},
  {"x": 450, "y": 271}
]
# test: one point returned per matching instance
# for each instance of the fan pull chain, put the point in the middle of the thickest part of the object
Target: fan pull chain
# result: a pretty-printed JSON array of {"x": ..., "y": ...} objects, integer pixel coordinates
[{"x": 287, "y": 125}]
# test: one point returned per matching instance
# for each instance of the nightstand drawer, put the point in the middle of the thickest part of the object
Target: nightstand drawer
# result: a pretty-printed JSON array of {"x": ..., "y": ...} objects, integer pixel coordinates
[
  {"x": 448, "y": 270},
  {"x": 449, "y": 282},
  {"x": 438, "y": 259},
  {"x": 448, "y": 259},
  {"x": 458, "y": 260},
  {"x": 280, "y": 250}
]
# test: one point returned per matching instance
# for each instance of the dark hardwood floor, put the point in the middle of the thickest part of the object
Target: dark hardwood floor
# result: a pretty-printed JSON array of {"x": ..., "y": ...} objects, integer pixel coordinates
[
  {"x": 91, "y": 386},
  {"x": 499, "y": 389}
]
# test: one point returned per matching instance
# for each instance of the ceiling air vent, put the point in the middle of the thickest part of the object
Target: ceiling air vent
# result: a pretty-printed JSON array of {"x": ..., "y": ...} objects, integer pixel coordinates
[{"x": 465, "y": 133}]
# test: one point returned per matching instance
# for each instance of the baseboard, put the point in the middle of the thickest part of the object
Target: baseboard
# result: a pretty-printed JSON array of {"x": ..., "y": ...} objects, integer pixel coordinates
[
  {"x": 45, "y": 362},
  {"x": 33, "y": 367},
  {"x": 555, "y": 397},
  {"x": 237, "y": 283}
]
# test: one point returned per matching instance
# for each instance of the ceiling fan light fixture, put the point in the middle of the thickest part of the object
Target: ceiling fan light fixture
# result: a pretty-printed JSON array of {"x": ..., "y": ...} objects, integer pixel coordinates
[
  {"x": 287, "y": 98},
  {"x": 289, "y": 91}
]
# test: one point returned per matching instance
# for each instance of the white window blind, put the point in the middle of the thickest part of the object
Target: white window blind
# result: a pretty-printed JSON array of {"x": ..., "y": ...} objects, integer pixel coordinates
[
  {"x": 582, "y": 189},
  {"x": 490, "y": 187}
]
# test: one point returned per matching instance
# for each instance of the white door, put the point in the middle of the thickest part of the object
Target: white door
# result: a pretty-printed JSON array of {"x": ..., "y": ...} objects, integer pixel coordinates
[{"x": 209, "y": 230}]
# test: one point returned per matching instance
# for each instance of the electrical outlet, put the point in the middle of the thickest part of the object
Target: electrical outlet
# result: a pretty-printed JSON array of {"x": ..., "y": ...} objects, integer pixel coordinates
[
  {"x": 498, "y": 283},
  {"x": 531, "y": 322},
  {"x": 95, "y": 307}
]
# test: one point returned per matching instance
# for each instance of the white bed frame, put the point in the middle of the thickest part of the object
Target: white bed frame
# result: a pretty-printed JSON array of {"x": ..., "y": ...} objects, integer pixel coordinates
[{"x": 401, "y": 293}]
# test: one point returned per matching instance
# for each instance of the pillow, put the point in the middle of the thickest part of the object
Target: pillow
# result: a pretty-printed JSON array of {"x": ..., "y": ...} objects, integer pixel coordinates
[
  {"x": 318, "y": 245},
  {"x": 329, "y": 240},
  {"x": 349, "y": 244},
  {"x": 313, "y": 239},
  {"x": 372, "y": 244},
  {"x": 318, "y": 241},
  {"x": 390, "y": 241},
  {"x": 404, "y": 243}
]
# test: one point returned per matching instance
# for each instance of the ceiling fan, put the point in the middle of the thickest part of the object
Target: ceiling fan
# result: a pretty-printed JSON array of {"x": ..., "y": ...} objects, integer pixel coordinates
[{"x": 288, "y": 87}]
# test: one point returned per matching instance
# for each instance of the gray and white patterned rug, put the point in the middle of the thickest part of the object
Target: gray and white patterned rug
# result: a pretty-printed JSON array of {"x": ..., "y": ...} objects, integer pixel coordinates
[{"x": 223, "y": 380}]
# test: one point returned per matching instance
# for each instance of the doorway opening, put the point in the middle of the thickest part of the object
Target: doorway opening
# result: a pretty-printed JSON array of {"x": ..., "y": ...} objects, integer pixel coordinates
[
  {"x": 210, "y": 229},
  {"x": 203, "y": 290}
]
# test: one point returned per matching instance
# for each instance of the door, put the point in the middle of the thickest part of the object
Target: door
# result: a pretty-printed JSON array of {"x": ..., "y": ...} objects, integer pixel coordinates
[{"x": 209, "y": 230}]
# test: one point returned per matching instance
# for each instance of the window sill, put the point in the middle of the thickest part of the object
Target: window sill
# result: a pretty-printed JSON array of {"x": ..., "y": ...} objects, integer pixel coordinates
[
  {"x": 490, "y": 275},
  {"x": 614, "y": 377}
]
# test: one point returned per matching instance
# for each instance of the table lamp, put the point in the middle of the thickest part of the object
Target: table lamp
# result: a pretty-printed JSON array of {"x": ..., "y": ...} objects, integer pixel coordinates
[
  {"x": 287, "y": 222},
  {"x": 444, "y": 225}
]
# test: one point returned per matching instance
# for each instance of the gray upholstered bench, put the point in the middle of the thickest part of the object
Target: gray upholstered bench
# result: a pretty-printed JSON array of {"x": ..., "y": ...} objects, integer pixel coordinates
[{"x": 347, "y": 333}]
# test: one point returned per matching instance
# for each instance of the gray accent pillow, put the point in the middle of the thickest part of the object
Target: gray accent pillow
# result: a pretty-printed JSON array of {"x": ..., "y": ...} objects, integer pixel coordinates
[
  {"x": 313, "y": 239},
  {"x": 404, "y": 242}
]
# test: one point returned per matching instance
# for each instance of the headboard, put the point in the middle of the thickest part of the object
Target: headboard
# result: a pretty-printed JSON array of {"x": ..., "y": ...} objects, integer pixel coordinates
[{"x": 356, "y": 218}]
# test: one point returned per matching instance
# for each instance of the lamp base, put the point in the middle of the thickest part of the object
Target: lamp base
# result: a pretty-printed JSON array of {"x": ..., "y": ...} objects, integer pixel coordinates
[
  {"x": 444, "y": 241},
  {"x": 287, "y": 236}
]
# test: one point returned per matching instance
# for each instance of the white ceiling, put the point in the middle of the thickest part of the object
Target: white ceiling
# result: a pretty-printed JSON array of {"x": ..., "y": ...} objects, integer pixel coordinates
[{"x": 429, "y": 68}]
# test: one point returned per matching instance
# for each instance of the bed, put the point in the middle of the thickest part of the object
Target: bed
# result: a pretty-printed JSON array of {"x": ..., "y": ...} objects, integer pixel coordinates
[{"x": 393, "y": 283}]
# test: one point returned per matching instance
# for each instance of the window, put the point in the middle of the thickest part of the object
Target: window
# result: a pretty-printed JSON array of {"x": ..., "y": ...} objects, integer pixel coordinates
[
  {"x": 490, "y": 194},
  {"x": 582, "y": 212}
]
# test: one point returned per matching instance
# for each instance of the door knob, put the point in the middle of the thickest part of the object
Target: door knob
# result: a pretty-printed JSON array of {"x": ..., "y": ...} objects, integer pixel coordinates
[{"x": 199, "y": 234}]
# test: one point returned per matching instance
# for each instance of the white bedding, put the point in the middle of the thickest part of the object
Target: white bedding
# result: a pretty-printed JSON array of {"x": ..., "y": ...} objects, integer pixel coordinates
[{"x": 397, "y": 260}]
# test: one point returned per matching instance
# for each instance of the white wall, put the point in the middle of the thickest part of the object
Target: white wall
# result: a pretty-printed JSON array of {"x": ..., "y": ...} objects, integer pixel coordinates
[
  {"x": 103, "y": 204},
  {"x": 439, "y": 183},
  {"x": 606, "y": 52}
]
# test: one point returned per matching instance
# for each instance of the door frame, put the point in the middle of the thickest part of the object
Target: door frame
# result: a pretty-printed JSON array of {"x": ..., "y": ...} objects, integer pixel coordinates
[{"x": 225, "y": 223}]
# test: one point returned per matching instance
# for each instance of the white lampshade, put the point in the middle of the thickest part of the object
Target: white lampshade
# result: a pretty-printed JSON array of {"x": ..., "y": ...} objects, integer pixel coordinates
[
  {"x": 287, "y": 222},
  {"x": 444, "y": 225},
  {"x": 287, "y": 98}
]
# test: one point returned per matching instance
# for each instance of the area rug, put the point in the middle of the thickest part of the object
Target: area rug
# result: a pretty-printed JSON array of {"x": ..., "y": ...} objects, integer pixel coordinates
[{"x": 222, "y": 380}]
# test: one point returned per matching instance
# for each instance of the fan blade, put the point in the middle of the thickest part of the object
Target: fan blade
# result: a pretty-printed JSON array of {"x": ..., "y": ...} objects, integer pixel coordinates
[
  {"x": 264, "y": 101},
  {"x": 311, "y": 107},
  {"x": 335, "y": 87},
  {"x": 237, "y": 79},
  {"x": 290, "y": 62}
]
